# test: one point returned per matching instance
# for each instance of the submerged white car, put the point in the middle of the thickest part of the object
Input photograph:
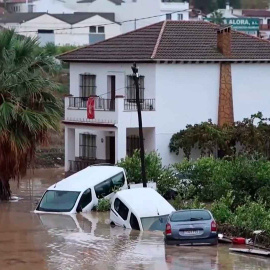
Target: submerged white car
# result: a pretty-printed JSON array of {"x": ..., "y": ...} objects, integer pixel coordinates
[
  {"x": 81, "y": 191},
  {"x": 140, "y": 209}
]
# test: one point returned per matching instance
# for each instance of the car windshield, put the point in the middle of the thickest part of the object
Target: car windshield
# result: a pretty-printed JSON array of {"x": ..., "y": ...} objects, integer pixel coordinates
[
  {"x": 154, "y": 223},
  {"x": 192, "y": 215},
  {"x": 58, "y": 201}
]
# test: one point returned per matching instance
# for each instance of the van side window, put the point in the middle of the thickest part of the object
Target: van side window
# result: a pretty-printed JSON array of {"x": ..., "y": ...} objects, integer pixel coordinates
[
  {"x": 134, "y": 222},
  {"x": 103, "y": 189},
  {"x": 121, "y": 209},
  {"x": 118, "y": 180},
  {"x": 85, "y": 199}
]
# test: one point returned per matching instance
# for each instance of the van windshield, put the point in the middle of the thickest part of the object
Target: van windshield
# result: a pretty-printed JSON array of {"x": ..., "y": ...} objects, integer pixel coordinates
[
  {"x": 154, "y": 223},
  {"x": 58, "y": 201}
]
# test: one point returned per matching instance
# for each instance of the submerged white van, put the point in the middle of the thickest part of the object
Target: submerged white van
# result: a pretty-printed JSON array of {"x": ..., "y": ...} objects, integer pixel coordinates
[
  {"x": 81, "y": 191},
  {"x": 140, "y": 209}
]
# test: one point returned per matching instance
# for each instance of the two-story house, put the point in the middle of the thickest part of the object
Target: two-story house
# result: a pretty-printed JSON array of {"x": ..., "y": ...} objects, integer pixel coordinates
[{"x": 189, "y": 72}]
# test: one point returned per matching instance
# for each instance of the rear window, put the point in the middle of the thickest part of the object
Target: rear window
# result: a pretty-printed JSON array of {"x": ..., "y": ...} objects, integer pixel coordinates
[{"x": 193, "y": 215}]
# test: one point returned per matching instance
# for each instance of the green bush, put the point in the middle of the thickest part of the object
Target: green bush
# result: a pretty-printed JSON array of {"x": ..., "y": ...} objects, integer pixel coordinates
[
  {"x": 132, "y": 165},
  {"x": 179, "y": 203},
  {"x": 103, "y": 205}
]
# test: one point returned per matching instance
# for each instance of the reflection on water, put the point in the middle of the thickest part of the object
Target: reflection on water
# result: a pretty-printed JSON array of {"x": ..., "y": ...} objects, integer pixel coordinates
[{"x": 86, "y": 241}]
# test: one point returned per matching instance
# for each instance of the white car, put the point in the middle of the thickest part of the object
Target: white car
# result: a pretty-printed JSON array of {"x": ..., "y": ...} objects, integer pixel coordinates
[
  {"x": 81, "y": 191},
  {"x": 140, "y": 209}
]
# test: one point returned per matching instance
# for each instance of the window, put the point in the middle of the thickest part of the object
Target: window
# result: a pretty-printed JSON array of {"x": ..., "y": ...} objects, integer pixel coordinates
[
  {"x": 103, "y": 189},
  {"x": 268, "y": 21},
  {"x": 101, "y": 29},
  {"x": 107, "y": 187},
  {"x": 180, "y": 17},
  {"x": 154, "y": 223},
  {"x": 93, "y": 29},
  {"x": 85, "y": 200},
  {"x": 134, "y": 222},
  {"x": 131, "y": 90},
  {"x": 168, "y": 16},
  {"x": 118, "y": 180},
  {"x": 87, "y": 85},
  {"x": 121, "y": 209},
  {"x": 261, "y": 21},
  {"x": 190, "y": 215},
  {"x": 96, "y": 34},
  {"x": 58, "y": 201},
  {"x": 46, "y": 36},
  {"x": 133, "y": 143},
  {"x": 88, "y": 146}
]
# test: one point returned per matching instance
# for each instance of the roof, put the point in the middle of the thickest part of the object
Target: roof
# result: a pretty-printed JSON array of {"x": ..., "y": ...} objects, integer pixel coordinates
[
  {"x": 72, "y": 18},
  {"x": 117, "y": 2},
  {"x": 86, "y": 178},
  {"x": 145, "y": 202},
  {"x": 256, "y": 12},
  {"x": 171, "y": 40}
]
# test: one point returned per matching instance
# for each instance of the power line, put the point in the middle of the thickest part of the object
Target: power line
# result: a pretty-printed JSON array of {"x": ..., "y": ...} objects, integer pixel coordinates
[{"x": 112, "y": 23}]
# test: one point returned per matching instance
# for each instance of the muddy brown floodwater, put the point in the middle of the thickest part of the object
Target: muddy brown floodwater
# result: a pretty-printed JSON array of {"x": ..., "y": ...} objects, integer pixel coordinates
[{"x": 86, "y": 241}]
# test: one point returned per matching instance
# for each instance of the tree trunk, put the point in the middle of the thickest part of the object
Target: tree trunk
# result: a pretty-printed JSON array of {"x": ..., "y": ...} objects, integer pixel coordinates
[{"x": 5, "y": 191}]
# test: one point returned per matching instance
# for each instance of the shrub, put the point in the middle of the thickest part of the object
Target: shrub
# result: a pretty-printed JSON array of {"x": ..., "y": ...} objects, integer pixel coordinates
[
  {"x": 179, "y": 203},
  {"x": 132, "y": 165},
  {"x": 103, "y": 205}
]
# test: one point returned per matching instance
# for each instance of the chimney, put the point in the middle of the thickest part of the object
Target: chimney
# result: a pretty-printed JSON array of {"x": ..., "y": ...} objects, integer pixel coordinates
[
  {"x": 224, "y": 39},
  {"x": 228, "y": 5}
]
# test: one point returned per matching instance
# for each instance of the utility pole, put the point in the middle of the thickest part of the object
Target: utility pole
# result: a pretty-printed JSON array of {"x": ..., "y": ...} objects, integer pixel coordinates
[
  {"x": 135, "y": 24},
  {"x": 136, "y": 81}
]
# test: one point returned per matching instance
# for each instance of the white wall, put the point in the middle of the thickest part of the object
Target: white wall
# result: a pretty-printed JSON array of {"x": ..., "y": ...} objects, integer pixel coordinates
[
  {"x": 251, "y": 90},
  {"x": 129, "y": 10},
  {"x": 77, "y": 36},
  {"x": 186, "y": 94}
]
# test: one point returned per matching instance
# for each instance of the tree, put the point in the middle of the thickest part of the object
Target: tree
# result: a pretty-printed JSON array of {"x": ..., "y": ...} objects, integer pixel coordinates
[
  {"x": 217, "y": 17},
  {"x": 28, "y": 107}
]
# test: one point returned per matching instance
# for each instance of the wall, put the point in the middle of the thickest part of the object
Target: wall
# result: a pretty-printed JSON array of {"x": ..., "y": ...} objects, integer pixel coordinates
[
  {"x": 251, "y": 90},
  {"x": 186, "y": 94},
  {"x": 77, "y": 36}
]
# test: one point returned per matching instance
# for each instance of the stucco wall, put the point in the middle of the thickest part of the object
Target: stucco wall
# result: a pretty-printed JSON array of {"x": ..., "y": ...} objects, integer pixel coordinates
[
  {"x": 186, "y": 94},
  {"x": 251, "y": 90}
]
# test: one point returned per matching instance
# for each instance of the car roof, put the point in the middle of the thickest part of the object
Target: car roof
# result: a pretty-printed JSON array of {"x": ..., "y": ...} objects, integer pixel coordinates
[
  {"x": 145, "y": 202},
  {"x": 86, "y": 178}
]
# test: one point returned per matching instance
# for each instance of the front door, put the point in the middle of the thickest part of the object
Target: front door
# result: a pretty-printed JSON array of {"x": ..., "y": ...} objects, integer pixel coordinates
[{"x": 112, "y": 150}]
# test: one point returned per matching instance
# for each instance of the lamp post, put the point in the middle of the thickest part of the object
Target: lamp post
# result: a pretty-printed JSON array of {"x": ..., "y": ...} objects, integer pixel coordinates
[{"x": 136, "y": 81}]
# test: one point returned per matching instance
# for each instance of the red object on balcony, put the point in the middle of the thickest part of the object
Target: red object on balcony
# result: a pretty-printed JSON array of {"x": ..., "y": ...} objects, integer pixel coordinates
[
  {"x": 239, "y": 241},
  {"x": 91, "y": 108}
]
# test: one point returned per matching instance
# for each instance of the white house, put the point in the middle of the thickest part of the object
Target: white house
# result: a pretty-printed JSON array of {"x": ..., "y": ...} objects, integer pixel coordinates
[
  {"x": 17, "y": 6},
  {"x": 190, "y": 72},
  {"x": 125, "y": 10},
  {"x": 62, "y": 29}
]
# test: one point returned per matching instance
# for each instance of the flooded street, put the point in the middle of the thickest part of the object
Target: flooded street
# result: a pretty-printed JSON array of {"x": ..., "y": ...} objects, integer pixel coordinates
[{"x": 86, "y": 241}]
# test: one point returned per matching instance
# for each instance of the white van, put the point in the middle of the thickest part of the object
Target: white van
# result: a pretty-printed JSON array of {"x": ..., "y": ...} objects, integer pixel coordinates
[
  {"x": 140, "y": 209},
  {"x": 81, "y": 191}
]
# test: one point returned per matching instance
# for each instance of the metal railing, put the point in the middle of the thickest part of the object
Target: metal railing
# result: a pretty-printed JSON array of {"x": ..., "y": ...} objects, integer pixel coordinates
[
  {"x": 78, "y": 165},
  {"x": 146, "y": 105},
  {"x": 100, "y": 103}
]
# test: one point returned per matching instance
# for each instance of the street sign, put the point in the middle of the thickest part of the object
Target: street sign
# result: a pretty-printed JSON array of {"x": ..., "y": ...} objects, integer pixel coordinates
[{"x": 241, "y": 24}]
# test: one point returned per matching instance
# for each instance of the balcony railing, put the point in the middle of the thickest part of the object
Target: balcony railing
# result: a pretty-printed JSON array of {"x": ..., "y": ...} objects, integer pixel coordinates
[
  {"x": 146, "y": 105},
  {"x": 100, "y": 103},
  {"x": 265, "y": 27},
  {"x": 78, "y": 165}
]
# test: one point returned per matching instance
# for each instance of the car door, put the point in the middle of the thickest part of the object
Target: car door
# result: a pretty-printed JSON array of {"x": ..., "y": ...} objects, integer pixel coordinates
[{"x": 120, "y": 214}]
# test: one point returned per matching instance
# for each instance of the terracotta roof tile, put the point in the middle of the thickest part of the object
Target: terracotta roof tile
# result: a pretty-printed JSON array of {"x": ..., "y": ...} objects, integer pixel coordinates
[{"x": 173, "y": 40}]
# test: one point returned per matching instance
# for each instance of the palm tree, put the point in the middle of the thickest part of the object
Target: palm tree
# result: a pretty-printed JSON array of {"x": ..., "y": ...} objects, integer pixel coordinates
[
  {"x": 217, "y": 17},
  {"x": 28, "y": 107}
]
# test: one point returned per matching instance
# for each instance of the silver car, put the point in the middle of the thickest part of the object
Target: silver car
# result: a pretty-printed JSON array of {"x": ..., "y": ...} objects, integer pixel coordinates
[{"x": 194, "y": 226}]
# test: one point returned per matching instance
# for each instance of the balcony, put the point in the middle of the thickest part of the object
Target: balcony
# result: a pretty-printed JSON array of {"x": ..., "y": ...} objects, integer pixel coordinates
[
  {"x": 101, "y": 104},
  {"x": 146, "y": 105},
  {"x": 265, "y": 27}
]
